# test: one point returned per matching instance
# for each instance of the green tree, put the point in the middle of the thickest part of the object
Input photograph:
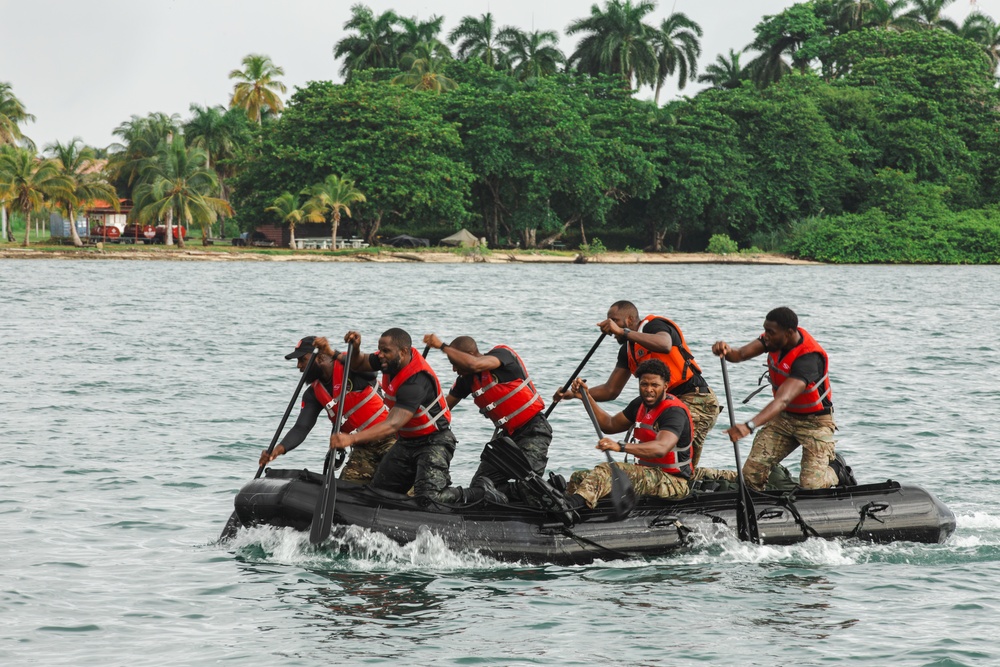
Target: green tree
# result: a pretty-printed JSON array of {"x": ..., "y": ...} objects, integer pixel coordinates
[
  {"x": 221, "y": 134},
  {"x": 28, "y": 184},
  {"x": 177, "y": 184},
  {"x": 724, "y": 73},
  {"x": 478, "y": 38},
  {"x": 257, "y": 86},
  {"x": 928, "y": 14},
  {"x": 334, "y": 195},
  {"x": 982, "y": 30},
  {"x": 617, "y": 41},
  {"x": 678, "y": 46},
  {"x": 372, "y": 46},
  {"x": 419, "y": 39},
  {"x": 531, "y": 55},
  {"x": 141, "y": 137},
  {"x": 286, "y": 207},
  {"x": 12, "y": 116},
  {"x": 77, "y": 163},
  {"x": 797, "y": 32}
]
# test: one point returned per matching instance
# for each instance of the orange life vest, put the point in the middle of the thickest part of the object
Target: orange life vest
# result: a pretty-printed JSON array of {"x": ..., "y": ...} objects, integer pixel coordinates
[
  {"x": 507, "y": 404},
  {"x": 678, "y": 460},
  {"x": 810, "y": 400},
  {"x": 362, "y": 408},
  {"x": 424, "y": 420},
  {"x": 678, "y": 360}
]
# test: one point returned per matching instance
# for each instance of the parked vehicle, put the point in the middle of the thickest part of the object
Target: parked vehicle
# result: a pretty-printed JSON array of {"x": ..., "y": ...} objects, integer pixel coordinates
[
  {"x": 136, "y": 233},
  {"x": 161, "y": 233}
]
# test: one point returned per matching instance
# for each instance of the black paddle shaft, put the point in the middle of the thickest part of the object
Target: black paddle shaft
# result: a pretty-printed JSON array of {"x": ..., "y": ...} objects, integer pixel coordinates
[
  {"x": 323, "y": 514},
  {"x": 622, "y": 491},
  {"x": 288, "y": 410},
  {"x": 578, "y": 370},
  {"x": 746, "y": 515}
]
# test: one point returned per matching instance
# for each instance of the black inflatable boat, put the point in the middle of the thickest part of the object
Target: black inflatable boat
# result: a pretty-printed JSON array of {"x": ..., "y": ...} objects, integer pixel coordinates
[{"x": 884, "y": 512}]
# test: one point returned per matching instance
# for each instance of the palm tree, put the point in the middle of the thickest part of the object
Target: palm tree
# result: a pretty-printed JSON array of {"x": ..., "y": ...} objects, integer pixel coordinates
[
  {"x": 616, "y": 41},
  {"x": 724, "y": 73},
  {"x": 426, "y": 70},
  {"x": 418, "y": 38},
  {"x": 478, "y": 39},
  {"x": 177, "y": 184},
  {"x": 12, "y": 115},
  {"x": 215, "y": 131},
  {"x": 532, "y": 54},
  {"x": 77, "y": 162},
  {"x": 335, "y": 194},
  {"x": 257, "y": 86},
  {"x": 286, "y": 206},
  {"x": 677, "y": 50},
  {"x": 927, "y": 14},
  {"x": 142, "y": 137},
  {"x": 29, "y": 184},
  {"x": 374, "y": 44},
  {"x": 982, "y": 30}
]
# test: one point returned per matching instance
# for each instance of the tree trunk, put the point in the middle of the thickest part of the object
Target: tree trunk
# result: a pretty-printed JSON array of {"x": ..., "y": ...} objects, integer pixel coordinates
[
  {"x": 583, "y": 234},
  {"x": 680, "y": 237},
  {"x": 529, "y": 236},
  {"x": 333, "y": 227},
  {"x": 3, "y": 223},
  {"x": 180, "y": 233},
  {"x": 291, "y": 235},
  {"x": 27, "y": 228},
  {"x": 168, "y": 238},
  {"x": 658, "y": 239},
  {"x": 72, "y": 226},
  {"x": 549, "y": 240},
  {"x": 373, "y": 230}
]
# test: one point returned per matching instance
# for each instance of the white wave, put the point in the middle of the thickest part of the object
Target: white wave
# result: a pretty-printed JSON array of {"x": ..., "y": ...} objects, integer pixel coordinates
[{"x": 978, "y": 521}]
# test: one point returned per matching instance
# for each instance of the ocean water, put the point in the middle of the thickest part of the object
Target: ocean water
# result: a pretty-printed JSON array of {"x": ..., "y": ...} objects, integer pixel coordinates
[{"x": 135, "y": 398}]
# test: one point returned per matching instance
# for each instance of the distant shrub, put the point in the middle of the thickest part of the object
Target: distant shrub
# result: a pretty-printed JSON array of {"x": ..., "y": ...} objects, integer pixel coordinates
[
  {"x": 721, "y": 244},
  {"x": 593, "y": 248}
]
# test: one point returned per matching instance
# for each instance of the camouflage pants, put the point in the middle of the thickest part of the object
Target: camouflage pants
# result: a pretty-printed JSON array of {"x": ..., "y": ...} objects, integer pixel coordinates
[
  {"x": 594, "y": 484},
  {"x": 421, "y": 463},
  {"x": 780, "y": 437},
  {"x": 365, "y": 459},
  {"x": 533, "y": 438},
  {"x": 704, "y": 410}
]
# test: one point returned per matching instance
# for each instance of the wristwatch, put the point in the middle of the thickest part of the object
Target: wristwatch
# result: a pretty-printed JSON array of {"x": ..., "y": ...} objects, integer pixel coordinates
[
  {"x": 625, "y": 332},
  {"x": 750, "y": 425},
  {"x": 621, "y": 447}
]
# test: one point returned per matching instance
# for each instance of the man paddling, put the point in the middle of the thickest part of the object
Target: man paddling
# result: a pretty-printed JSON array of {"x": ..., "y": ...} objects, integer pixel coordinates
[
  {"x": 501, "y": 388},
  {"x": 363, "y": 408},
  {"x": 664, "y": 430},
  {"x": 656, "y": 337},
  {"x": 801, "y": 412},
  {"x": 418, "y": 415}
]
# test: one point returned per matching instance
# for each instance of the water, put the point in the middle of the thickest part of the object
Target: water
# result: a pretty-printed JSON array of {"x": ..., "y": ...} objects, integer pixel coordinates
[{"x": 136, "y": 397}]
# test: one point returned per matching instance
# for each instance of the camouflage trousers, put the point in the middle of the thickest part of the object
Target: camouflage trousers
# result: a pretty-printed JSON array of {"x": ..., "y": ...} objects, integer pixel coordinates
[
  {"x": 364, "y": 460},
  {"x": 533, "y": 438},
  {"x": 420, "y": 463},
  {"x": 594, "y": 484},
  {"x": 780, "y": 437},
  {"x": 704, "y": 409}
]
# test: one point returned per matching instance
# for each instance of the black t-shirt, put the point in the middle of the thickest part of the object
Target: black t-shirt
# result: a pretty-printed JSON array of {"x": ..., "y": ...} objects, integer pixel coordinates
[
  {"x": 417, "y": 392},
  {"x": 810, "y": 369},
  {"x": 311, "y": 409},
  {"x": 508, "y": 371},
  {"x": 673, "y": 419},
  {"x": 654, "y": 327}
]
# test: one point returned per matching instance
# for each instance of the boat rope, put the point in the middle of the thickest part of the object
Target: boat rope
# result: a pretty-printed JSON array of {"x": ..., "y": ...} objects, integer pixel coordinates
[
  {"x": 869, "y": 511},
  {"x": 787, "y": 500},
  {"x": 585, "y": 542}
]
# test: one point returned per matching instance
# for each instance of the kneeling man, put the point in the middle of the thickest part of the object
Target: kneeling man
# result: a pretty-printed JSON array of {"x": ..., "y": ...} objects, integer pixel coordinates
[{"x": 662, "y": 454}]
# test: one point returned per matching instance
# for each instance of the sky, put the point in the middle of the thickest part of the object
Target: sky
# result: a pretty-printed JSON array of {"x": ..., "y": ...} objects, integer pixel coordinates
[{"x": 83, "y": 67}]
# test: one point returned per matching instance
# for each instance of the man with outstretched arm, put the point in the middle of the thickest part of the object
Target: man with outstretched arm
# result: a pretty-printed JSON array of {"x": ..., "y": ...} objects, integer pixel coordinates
[
  {"x": 418, "y": 415},
  {"x": 500, "y": 387},
  {"x": 801, "y": 412},
  {"x": 656, "y": 337},
  {"x": 664, "y": 430},
  {"x": 363, "y": 408}
]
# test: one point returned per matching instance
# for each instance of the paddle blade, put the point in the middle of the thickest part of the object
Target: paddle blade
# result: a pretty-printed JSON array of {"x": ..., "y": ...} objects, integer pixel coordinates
[
  {"x": 622, "y": 491},
  {"x": 746, "y": 517},
  {"x": 323, "y": 514}
]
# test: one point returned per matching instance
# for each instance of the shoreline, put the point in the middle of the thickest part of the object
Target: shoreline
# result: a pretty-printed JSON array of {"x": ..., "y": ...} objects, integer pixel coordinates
[{"x": 148, "y": 253}]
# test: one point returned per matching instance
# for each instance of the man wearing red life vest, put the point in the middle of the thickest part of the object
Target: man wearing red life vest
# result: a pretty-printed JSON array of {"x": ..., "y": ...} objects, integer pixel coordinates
[
  {"x": 501, "y": 388},
  {"x": 363, "y": 408},
  {"x": 418, "y": 415},
  {"x": 656, "y": 337},
  {"x": 801, "y": 412},
  {"x": 664, "y": 431}
]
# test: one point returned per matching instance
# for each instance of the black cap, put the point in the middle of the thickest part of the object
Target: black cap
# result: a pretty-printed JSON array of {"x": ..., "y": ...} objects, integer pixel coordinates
[{"x": 302, "y": 348}]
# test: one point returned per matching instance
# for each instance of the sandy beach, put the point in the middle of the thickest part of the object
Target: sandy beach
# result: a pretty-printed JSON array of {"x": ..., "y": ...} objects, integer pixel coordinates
[{"x": 389, "y": 255}]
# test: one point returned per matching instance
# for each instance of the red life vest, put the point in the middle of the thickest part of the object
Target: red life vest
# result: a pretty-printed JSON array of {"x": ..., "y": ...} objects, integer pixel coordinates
[
  {"x": 424, "y": 420},
  {"x": 507, "y": 404},
  {"x": 810, "y": 400},
  {"x": 362, "y": 408},
  {"x": 679, "y": 359},
  {"x": 678, "y": 460}
]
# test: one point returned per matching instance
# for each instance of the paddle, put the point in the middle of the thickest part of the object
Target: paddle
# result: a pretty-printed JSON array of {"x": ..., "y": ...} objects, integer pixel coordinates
[
  {"x": 577, "y": 372},
  {"x": 622, "y": 492},
  {"x": 746, "y": 515},
  {"x": 233, "y": 523},
  {"x": 323, "y": 514}
]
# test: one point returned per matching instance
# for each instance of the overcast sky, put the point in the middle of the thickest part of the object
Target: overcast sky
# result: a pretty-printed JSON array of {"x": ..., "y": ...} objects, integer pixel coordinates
[{"x": 82, "y": 67}]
